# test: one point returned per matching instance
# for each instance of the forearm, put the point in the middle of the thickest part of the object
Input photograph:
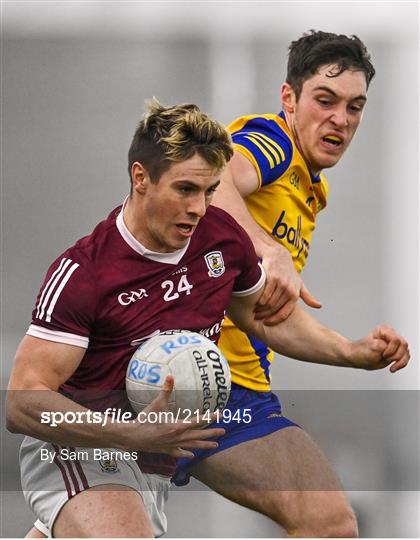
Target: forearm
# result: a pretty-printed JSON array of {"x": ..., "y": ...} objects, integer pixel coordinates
[
  {"x": 264, "y": 244},
  {"x": 304, "y": 338},
  {"x": 35, "y": 411},
  {"x": 229, "y": 199}
]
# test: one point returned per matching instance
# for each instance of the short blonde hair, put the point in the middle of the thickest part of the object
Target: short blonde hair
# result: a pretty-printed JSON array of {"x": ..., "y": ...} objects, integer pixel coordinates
[{"x": 173, "y": 134}]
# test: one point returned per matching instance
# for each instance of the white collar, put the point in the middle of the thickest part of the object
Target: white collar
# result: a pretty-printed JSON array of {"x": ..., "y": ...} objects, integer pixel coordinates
[{"x": 169, "y": 258}]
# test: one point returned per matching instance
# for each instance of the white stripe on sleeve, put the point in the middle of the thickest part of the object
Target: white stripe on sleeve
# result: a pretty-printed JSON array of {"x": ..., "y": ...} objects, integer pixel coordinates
[
  {"x": 59, "y": 337},
  {"x": 60, "y": 288},
  {"x": 260, "y": 283},
  {"x": 50, "y": 286}
]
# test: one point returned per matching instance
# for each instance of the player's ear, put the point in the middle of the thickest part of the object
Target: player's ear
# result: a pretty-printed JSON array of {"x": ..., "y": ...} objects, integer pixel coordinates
[
  {"x": 288, "y": 98},
  {"x": 139, "y": 177}
]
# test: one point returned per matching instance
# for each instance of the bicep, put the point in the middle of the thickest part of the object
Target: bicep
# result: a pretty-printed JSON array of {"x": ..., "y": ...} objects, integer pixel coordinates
[
  {"x": 244, "y": 174},
  {"x": 239, "y": 179},
  {"x": 42, "y": 364}
]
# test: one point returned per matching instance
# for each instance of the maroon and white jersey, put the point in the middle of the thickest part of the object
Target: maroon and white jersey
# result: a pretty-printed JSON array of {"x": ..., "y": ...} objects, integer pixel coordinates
[{"x": 107, "y": 293}]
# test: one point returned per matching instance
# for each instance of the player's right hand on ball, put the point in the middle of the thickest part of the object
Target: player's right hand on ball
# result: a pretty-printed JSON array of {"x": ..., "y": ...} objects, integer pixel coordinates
[{"x": 175, "y": 437}]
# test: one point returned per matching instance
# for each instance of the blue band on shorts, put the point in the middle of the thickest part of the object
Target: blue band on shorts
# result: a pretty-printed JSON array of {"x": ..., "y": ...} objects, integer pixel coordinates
[{"x": 248, "y": 415}]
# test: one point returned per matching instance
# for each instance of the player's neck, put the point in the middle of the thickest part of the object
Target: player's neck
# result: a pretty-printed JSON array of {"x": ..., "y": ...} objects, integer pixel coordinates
[
  {"x": 132, "y": 216},
  {"x": 290, "y": 124}
]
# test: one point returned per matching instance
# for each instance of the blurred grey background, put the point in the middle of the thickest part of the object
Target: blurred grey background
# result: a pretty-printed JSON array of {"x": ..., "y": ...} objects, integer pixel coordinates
[{"x": 74, "y": 79}]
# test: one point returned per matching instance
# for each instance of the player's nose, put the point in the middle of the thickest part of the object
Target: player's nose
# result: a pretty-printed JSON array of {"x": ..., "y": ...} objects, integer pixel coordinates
[
  {"x": 340, "y": 116},
  {"x": 197, "y": 205}
]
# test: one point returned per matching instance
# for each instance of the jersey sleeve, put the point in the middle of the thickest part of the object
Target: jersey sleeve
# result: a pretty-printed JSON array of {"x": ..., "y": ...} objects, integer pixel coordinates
[
  {"x": 66, "y": 303},
  {"x": 252, "y": 276},
  {"x": 265, "y": 144}
]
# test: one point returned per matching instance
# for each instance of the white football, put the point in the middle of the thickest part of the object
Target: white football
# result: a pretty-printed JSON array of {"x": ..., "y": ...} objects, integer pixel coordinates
[{"x": 201, "y": 372}]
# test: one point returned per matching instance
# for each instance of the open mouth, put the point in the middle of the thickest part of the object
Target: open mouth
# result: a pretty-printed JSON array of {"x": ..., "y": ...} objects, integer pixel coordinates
[
  {"x": 184, "y": 228},
  {"x": 333, "y": 141}
]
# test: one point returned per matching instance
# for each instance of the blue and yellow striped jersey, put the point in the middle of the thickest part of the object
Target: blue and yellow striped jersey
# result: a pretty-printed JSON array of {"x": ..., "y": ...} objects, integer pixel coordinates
[{"x": 285, "y": 206}]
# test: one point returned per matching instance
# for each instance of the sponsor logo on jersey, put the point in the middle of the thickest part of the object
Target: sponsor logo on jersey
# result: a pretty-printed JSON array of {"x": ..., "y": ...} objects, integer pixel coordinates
[
  {"x": 215, "y": 263},
  {"x": 283, "y": 230},
  {"x": 138, "y": 341},
  {"x": 212, "y": 331},
  {"x": 180, "y": 271},
  {"x": 128, "y": 298}
]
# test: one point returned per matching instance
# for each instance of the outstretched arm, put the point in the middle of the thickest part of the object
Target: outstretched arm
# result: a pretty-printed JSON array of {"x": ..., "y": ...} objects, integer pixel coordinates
[
  {"x": 304, "y": 338},
  {"x": 284, "y": 286}
]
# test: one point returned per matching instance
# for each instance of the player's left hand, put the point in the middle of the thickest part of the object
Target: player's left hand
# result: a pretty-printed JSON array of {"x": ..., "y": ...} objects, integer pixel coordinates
[
  {"x": 283, "y": 288},
  {"x": 380, "y": 348}
]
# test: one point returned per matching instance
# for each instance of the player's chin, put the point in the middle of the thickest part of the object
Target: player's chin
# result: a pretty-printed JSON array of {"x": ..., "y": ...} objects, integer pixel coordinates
[
  {"x": 181, "y": 243},
  {"x": 326, "y": 161},
  {"x": 178, "y": 241}
]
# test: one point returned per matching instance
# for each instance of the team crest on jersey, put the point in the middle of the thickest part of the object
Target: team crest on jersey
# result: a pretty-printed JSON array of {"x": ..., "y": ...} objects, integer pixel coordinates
[
  {"x": 109, "y": 465},
  {"x": 215, "y": 263}
]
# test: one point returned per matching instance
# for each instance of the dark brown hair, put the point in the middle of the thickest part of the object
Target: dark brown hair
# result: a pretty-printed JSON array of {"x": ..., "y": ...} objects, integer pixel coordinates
[{"x": 315, "y": 49}]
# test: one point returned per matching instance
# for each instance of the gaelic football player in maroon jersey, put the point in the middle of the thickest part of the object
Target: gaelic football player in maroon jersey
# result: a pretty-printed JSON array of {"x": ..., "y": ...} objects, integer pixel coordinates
[{"x": 146, "y": 268}]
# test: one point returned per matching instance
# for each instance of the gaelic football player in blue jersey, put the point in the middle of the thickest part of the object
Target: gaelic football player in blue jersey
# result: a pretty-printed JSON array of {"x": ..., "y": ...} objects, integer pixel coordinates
[{"x": 274, "y": 187}]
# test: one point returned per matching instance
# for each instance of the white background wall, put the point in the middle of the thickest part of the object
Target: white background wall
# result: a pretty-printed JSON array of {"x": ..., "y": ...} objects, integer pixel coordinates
[{"x": 75, "y": 75}]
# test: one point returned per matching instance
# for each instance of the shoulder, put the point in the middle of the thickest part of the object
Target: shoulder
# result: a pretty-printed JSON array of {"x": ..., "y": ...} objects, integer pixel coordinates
[
  {"x": 218, "y": 228},
  {"x": 87, "y": 252},
  {"x": 220, "y": 219},
  {"x": 266, "y": 142},
  {"x": 257, "y": 120},
  {"x": 100, "y": 240},
  {"x": 272, "y": 125}
]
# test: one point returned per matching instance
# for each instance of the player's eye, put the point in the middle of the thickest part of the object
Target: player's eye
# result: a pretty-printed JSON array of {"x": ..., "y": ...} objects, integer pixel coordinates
[
  {"x": 324, "y": 102},
  {"x": 210, "y": 191},
  {"x": 356, "y": 108}
]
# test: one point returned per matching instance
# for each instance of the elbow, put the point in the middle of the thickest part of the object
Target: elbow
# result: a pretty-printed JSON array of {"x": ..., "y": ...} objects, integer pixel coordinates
[{"x": 11, "y": 424}]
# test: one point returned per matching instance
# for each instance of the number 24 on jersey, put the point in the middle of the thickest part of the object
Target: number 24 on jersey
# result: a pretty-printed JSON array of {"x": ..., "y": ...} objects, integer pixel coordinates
[{"x": 183, "y": 287}]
